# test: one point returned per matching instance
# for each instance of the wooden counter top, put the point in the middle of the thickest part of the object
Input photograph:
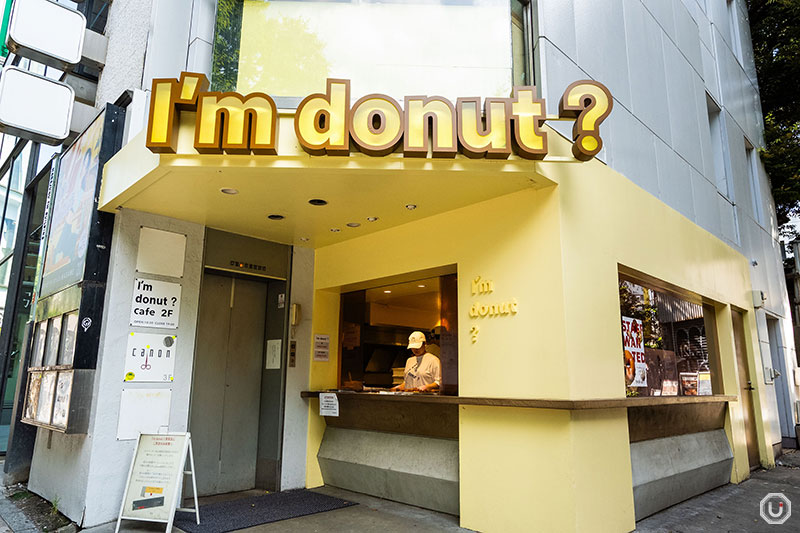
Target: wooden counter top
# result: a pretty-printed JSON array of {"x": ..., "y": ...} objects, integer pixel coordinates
[{"x": 534, "y": 403}]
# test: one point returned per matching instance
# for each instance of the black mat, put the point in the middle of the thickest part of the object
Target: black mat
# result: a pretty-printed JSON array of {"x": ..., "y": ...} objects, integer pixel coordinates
[{"x": 248, "y": 512}]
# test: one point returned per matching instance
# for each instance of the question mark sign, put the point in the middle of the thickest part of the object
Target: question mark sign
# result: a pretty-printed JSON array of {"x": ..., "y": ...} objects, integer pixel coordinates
[
  {"x": 589, "y": 102},
  {"x": 173, "y": 301}
]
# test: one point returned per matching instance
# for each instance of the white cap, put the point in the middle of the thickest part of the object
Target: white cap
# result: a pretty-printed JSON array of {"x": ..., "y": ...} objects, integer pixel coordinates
[{"x": 416, "y": 340}]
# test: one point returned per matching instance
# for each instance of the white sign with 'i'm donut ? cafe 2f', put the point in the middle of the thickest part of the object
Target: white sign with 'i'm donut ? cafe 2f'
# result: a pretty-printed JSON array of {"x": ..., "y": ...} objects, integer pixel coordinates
[{"x": 156, "y": 304}]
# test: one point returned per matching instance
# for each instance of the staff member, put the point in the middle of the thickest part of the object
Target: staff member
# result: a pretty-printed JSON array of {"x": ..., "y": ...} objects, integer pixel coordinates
[{"x": 423, "y": 370}]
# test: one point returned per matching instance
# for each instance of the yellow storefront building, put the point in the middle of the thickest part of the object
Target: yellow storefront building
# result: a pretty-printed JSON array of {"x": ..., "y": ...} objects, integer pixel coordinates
[
  {"x": 603, "y": 312},
  {"x": 544, "y": 426}
]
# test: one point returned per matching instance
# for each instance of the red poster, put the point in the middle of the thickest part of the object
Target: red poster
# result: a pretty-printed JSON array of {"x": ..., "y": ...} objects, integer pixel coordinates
[{"x": 633, "y": 344}]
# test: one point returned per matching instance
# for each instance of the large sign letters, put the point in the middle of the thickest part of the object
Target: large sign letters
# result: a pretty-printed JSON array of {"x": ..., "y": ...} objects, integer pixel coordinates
[{"x": 326, "y": 123}]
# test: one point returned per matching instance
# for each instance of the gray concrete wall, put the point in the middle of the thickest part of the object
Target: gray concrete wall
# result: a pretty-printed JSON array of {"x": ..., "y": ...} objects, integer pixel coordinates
[
  {"x": 127, "y": 29},
  {"x": 87, "y": 473},
  {"x": 295, "y": 420},
  {"x": 672, "y": 469},
  {"x": 153, "y": 39},
  {"x": 110, "y": 457},
  {"x": 60, "y": 470},
  {"x": 393, "y": 466},
  {"x": 660, "y": 58}
]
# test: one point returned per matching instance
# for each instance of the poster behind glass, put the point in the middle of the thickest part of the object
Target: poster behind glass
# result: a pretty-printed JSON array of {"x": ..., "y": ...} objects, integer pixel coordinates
[
  {"x": 665, "y": 350},
  {"x": 72, "y": 210},
  {"x": 40, "y": 339},
  {"x": 32, "y": 399},
  {"x": 61, "y": 404},
  {"x": 47, "y": 391},
  {"x": 53, "y": 338},
  {"x": 69, "y": 331}
]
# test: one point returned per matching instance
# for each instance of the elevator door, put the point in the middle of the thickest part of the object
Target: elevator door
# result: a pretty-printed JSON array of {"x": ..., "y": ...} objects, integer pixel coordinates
[{"x": 227, "y": 383}]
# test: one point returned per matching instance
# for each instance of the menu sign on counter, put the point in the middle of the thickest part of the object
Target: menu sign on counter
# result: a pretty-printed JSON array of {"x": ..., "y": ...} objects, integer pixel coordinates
[
  {"x": 328, "y": 404},
  {"x": 154, "y": 479}
]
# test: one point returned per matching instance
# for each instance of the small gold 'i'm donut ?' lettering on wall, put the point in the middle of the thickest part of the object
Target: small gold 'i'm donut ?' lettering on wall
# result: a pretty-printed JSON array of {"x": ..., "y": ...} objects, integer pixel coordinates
[
  {"x": 482, "y": 286},
  {"x": 479, "y": 310}
]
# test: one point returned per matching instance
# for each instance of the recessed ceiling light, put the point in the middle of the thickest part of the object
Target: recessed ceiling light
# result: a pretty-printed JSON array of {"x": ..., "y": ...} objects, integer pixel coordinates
[
  {"x": 411, "y": 207},
  {"x": 275, "y": 217},
  {"x": 421, "y": 286},
  {"x": 372, "y": 219},
  {"x": 318, "y": 201},
  {"x": 335, "y": 230},
  {"x": 388, "y": 292},
  {"x": 226, "y": 190},
  {"x": 353, "y": 224}
]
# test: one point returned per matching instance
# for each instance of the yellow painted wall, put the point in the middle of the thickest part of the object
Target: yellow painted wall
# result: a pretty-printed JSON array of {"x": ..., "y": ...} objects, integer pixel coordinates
[
  {"x": 507, "y": 477},
  {"x": 512, "y": 240},
  {"x": 556, "y": 251},
  {"x": 525, "y": 456},
  {"x": 521, "y": 263},
  {"x": 606, "y": 220}
]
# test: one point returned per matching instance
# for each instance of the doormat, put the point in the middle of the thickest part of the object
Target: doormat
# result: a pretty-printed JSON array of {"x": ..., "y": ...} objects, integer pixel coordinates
[{"x": 248, "y": 512}]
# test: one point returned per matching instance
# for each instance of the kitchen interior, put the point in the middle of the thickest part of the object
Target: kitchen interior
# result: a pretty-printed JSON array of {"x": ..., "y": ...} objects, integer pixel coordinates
[{"x": 376, "y": 323}]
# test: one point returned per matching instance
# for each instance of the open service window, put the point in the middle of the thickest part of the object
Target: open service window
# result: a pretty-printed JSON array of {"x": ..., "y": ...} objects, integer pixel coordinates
[
  {"x": 379, "y": 324},
  {"x": 666, "y": 349}
]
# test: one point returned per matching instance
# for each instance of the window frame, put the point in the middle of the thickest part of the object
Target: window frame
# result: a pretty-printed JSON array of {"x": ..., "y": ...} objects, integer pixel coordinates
[
  {"x": 448, "y": 283},
  {"x": 709, "y": 309}
]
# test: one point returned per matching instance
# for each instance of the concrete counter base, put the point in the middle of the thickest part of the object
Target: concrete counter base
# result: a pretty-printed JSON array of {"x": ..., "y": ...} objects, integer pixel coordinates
[
  {"x": 672, "y": 469},
  {"x": 421, "y": 471}
]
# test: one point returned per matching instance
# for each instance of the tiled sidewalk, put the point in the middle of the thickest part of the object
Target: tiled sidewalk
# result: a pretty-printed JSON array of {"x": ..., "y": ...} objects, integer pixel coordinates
[{"x": 733, "y": 507}]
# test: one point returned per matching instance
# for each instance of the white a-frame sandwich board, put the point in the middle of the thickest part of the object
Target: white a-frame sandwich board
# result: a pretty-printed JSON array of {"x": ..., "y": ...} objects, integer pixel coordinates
[{"x": 152, "y": 492}]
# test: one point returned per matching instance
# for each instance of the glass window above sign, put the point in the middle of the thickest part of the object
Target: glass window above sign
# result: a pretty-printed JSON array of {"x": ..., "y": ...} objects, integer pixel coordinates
[{"x": 433, "y": 47}]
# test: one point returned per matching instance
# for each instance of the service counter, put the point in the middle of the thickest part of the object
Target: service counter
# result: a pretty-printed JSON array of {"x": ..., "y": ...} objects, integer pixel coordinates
[
  {"x": 435, "y": 415},
  {"x": 404, "y": 446},
  {"x": 398, "y": 398}
]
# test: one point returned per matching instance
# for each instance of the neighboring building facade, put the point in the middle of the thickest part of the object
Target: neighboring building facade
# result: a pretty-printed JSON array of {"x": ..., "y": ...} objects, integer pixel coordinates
[
  {"x": 303, "y": 266},
  {"x": 24, "y": 164}
]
